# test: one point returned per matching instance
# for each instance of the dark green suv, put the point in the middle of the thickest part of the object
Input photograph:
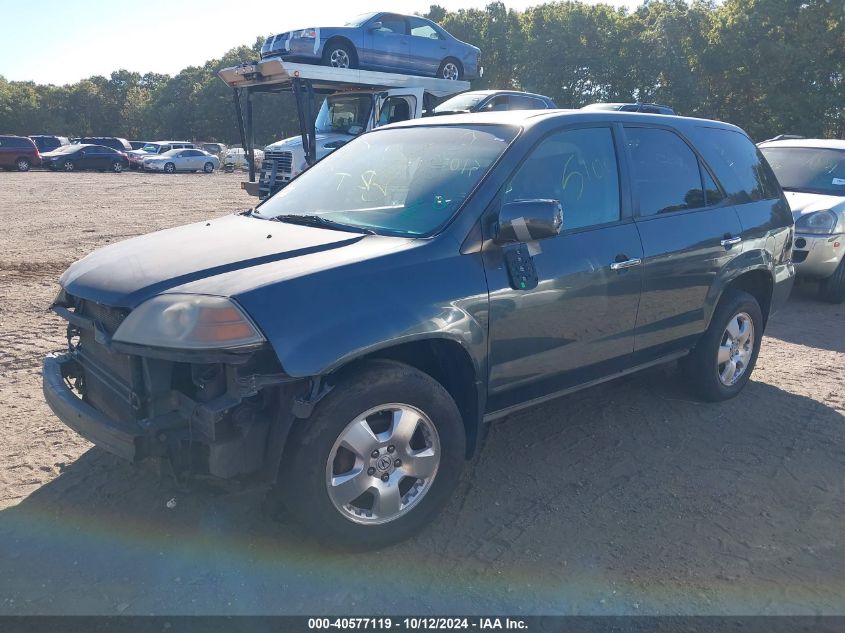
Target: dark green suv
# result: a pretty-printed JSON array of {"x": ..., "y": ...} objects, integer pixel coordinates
[{"x": 347, "y": 339}]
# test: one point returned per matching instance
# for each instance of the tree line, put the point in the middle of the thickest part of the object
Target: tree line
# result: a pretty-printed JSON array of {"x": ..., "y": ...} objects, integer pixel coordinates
[{"x": 769, "y": 66}]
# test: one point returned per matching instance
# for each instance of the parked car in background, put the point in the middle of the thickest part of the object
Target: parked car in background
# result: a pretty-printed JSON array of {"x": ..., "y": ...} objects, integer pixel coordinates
[
  {"x": 645, "y": 108},
  {"x": 85, "y": 156},
  {"x": 116, "y": 143},
  {"x": 218, "y": 149},
  {"x": 493, "y": 101},
  {"x": 18, "y": 152},
  {"x": 236, "y": 158},
  {"x": 136, "y": 157},
  {"x": 138, "y": 144},
  {"x": 48, "y": 142},
  {"x": 182, "y": 160},
  {"x": 288, "y": 344},
  {"x": 812, "y": 173},
  {"x": 388, "y": 42}
]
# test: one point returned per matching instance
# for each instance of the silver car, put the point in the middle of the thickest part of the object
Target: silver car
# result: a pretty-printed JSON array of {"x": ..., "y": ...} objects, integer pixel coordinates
[
  {"x": 182, "y": 160},
  {"x": 812, "y": 173}
]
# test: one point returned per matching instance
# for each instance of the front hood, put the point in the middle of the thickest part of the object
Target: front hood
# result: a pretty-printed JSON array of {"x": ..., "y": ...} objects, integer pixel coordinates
[
  {"x": 803, "y": 203},
  {"x": 227, "y": 250},
  {"x": 295, "y": 142}
]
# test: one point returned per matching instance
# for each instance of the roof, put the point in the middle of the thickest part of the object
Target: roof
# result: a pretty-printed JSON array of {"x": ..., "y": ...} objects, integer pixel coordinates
[
  {"x": 816, "y": 143},
  {"x": 276, "y": 75},
  {"x": 529, "y": 118}
]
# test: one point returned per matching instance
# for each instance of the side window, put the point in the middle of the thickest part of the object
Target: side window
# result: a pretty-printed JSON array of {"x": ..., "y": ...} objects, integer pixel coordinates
[
  {"x": 496, "y": 104},
  {"x": 518, "y": 102},
  {"x": 393, "y": 24},
  {"x": 577, "y": 167},
  {"x": 421, "y": 28},
  {"x": 712, "y": 193},
  {"x": 665, "y": 171},
  {"x": 738, "y": 163},
  {"x": 395, "y": 109}
]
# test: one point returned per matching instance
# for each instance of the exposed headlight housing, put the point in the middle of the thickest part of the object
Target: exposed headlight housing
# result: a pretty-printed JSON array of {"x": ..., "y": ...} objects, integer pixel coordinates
[
  {"x": 817, "y": 223},
  {"x": 189, "y": 322},
  {"x": 308, "y": 33}
]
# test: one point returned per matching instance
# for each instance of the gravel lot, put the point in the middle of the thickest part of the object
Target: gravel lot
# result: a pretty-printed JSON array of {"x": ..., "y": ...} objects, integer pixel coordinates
[{"x": 628, "y": 498}]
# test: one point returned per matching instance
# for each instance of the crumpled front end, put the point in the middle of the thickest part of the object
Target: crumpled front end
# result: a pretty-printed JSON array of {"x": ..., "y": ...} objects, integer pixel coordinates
[{"x": 204, "y": 412}]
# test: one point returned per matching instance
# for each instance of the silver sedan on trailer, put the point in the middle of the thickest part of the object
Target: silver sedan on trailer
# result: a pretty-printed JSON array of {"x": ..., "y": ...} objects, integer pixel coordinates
[{"x": 182, "y": 160}]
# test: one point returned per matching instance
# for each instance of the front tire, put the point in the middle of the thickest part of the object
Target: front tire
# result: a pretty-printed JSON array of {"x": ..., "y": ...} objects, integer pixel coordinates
[
  {"x": 450, "y": 69},
  {"x": 832, "y": 289},
  {"x": 339, "y": 55},
  {"x": 377, "y": 460},
  {"x": 68, "y": 165},
  {"x": 169, "y": 168},
  {"x": 721, "y": 363},
  {"x": 23, "y": 164}
]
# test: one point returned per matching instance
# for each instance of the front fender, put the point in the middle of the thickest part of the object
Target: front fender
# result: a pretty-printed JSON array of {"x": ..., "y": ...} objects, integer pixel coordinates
[{"x": 318, "y": 323}]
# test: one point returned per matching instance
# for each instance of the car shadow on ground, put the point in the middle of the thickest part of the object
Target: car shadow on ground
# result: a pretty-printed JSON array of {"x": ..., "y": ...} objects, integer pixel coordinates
[{"x": 627, "y": 498}]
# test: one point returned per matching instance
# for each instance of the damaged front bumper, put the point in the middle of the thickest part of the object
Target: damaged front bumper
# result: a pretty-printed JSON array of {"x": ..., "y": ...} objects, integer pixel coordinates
[{"x": 212, "y": 413}]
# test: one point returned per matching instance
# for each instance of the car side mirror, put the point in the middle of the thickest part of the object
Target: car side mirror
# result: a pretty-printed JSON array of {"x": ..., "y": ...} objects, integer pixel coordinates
[
  {"x": 375, "y": 26},
  {"x": 529, "y": 220}
]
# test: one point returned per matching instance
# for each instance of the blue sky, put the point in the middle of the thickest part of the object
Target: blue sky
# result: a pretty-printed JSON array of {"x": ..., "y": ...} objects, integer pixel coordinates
[{"x": 52, "y": 41}]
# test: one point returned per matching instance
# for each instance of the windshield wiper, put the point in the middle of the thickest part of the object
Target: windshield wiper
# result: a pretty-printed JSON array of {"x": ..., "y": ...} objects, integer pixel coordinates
[{"x": 316, "y": 220}]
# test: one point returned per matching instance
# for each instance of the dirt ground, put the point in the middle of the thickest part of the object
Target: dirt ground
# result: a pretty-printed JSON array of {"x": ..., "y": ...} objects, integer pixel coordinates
[{"x": 628, "y": 498}]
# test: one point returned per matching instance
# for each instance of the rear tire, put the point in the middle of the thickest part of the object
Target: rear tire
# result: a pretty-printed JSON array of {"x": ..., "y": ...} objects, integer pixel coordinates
[
  {"x": 832, "y": 289},
  {"x": 339, "y": 55},
  {"x": 23, "y": 164},
  {"x": 379, "y": 406},
  {"x": 117, "y": 167},
  {"x": 722, "y": 361},
  {"x": 450, "y": 69},
  {"x": 208, "y": 167}
]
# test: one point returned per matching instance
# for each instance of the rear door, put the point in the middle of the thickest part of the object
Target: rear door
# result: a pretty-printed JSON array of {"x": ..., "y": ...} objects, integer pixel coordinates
[
  {"x": 689, "y": 233},
  {"x": 389, "y": 44},
  {"x": 577, "y": 324},
  {"x": 428, "y": 48}
]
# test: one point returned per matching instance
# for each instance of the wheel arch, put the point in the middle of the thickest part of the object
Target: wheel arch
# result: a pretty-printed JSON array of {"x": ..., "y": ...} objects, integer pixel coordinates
[
  {"x": 335, "y": 39},
  {"x": 758, "y": 282},
  {"x": 450, "y": 364}
]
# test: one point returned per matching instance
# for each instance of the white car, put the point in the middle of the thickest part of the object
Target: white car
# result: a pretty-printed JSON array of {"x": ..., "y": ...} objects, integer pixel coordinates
[
  {"x": 812, "y": 174},
  {"x": 236, "y": 157},
  {"x": 182, "y": 160}
]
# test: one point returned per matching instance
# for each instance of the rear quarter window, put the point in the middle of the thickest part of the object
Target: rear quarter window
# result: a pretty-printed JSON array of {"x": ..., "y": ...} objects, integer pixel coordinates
[{"x": 738, "y": 164}]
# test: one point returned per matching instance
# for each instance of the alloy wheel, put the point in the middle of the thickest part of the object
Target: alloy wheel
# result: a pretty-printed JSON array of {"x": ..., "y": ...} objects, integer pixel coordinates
[
  {"x": 450, "y": 71},
  {"x": 382, "y": 464},
  {"x": 736, "y": 349},
  {"x": 339, "y": 58}
]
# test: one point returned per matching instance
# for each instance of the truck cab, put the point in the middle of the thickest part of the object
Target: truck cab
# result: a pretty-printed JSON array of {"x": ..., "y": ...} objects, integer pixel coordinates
[{"x": 342, "y": 116}]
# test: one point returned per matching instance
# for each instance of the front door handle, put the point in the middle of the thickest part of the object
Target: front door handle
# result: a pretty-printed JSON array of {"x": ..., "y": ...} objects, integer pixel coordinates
[
  {"x": 730, "y": 241},
  {"x": 628, "y": 263}
]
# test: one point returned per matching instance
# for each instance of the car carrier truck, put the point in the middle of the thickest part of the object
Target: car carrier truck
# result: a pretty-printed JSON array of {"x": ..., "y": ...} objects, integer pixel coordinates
[{"x": 355, "y": 101}]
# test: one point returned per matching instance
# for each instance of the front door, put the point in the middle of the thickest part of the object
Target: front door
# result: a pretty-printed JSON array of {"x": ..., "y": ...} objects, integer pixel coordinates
[
  {"x": 577, "y": 324},
  {"x": 388, "y": 46}
]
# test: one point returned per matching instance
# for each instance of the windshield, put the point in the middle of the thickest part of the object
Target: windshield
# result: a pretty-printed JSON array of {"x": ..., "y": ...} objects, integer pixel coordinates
[
  {"x": 359, "y": 20},
  {"x": 344, "y": 114},
  {"x": 171, "y": 152},
  {"x": 808, "y": 169},
  {"x": 150, "y": 147},
  {"x": 461, "y": 103},
  {"x": 403, "y": 181}
]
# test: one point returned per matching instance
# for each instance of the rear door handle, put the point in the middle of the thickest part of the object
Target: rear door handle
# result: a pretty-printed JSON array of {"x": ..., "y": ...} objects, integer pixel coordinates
[
  {"x": 628, "y": 263},
  {"x": 730, "y": 241}
]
